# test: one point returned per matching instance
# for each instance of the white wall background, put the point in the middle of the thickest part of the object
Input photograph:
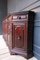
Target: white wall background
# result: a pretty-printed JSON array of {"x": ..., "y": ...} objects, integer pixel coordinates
[
  {"x": 17, "y": 5},
  {"x": 11, "y": 6},
  {"x": 24, "y": 5}
]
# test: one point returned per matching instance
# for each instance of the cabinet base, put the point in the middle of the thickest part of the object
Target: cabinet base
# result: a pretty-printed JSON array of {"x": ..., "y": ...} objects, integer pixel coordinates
[{"x": 22, "y": 52}]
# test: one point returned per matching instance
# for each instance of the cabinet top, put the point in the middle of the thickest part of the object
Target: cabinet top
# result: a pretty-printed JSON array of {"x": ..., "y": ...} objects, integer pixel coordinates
[{"x": 23, "y": 13}]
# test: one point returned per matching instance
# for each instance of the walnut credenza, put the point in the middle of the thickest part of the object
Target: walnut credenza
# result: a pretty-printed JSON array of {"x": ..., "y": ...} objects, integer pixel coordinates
[{"x": 18, "y": 33}]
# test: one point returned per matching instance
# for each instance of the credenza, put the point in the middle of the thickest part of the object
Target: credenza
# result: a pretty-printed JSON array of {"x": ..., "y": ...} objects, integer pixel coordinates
[{"x": 18, "y": 33}]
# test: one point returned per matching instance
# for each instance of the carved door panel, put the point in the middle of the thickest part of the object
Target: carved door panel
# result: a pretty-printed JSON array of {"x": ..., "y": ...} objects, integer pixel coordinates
[{"x": 19, "y": 35}]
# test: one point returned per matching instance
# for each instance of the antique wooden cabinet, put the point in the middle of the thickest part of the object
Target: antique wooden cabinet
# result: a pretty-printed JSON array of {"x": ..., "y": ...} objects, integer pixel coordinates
[{"x": 20, "y": 32}]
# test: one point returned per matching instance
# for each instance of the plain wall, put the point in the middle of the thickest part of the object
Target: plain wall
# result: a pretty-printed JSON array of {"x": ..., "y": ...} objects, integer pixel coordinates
[
  {"x": 3, "y": 12},
  {"x": 25, "y": 5},
  {"x": 11, "y": 6},
  {"x": 17, "y": 5}
]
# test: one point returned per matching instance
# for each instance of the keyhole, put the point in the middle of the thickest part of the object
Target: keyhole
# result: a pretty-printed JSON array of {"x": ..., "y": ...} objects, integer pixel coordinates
[{"x": 19, "y": 37}]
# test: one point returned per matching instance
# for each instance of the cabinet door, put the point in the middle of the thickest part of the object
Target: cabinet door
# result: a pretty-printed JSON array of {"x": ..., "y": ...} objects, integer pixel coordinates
[{"x": 18, "y": 34}]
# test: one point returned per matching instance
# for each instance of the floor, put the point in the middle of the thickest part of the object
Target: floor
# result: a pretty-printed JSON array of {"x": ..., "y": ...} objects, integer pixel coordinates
[{"x": 5, "y": 55}]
